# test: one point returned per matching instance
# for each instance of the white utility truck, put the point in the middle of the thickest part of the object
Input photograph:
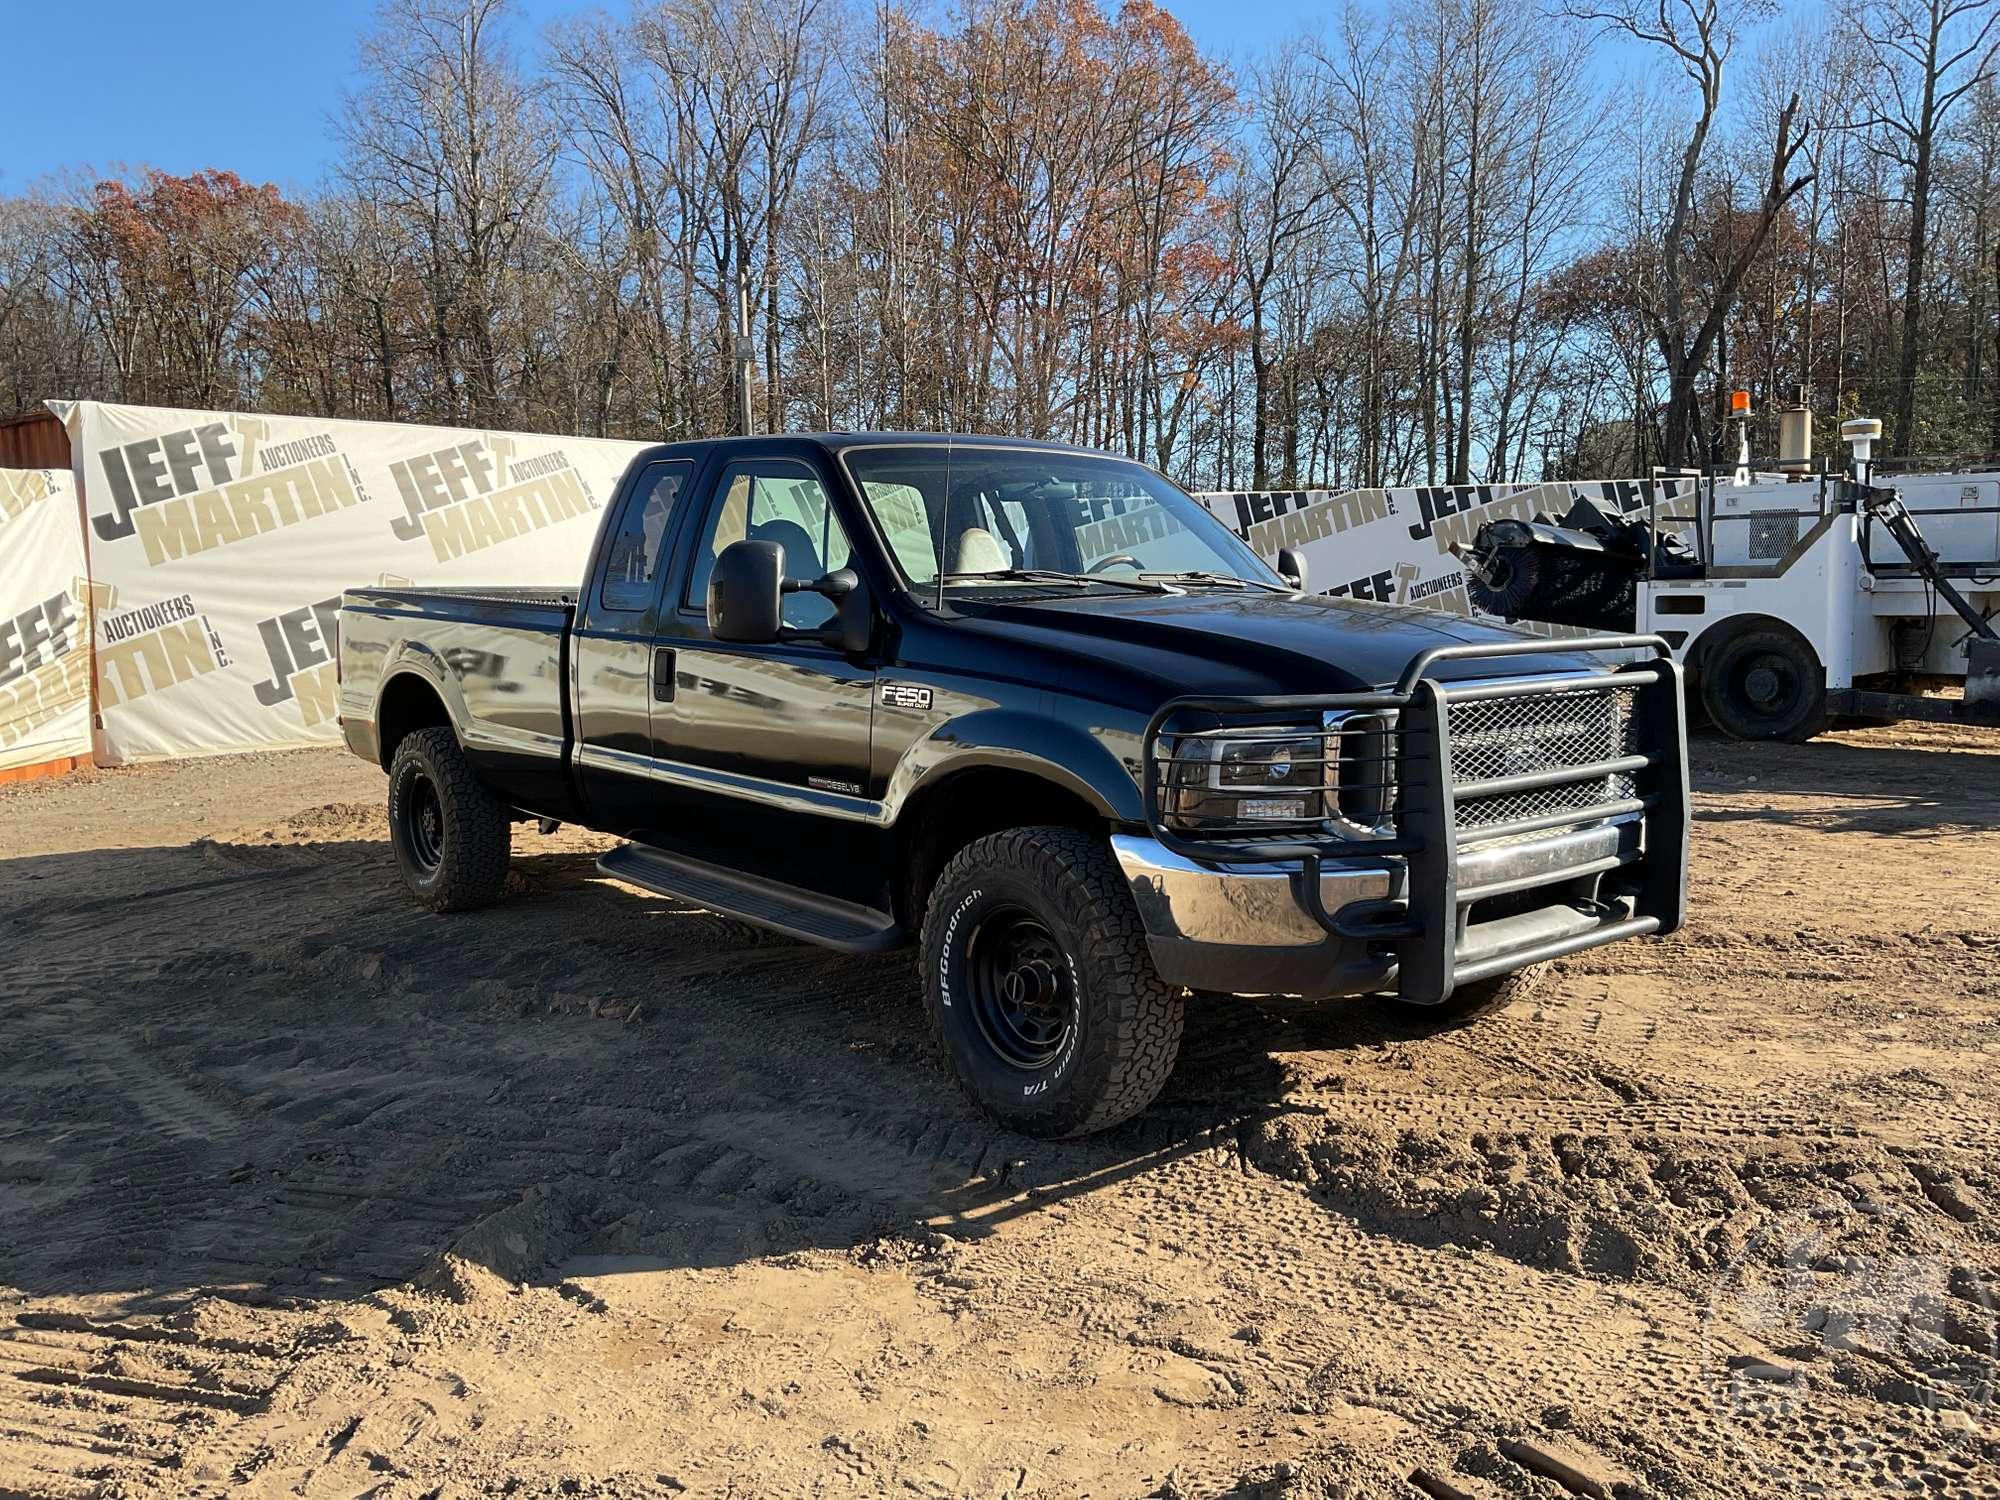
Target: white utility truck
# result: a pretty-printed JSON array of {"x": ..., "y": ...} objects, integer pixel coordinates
[{"x": 1793, "y": 598}]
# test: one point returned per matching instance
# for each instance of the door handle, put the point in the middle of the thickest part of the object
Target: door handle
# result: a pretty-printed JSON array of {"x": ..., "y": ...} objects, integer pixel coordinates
[{"x": 663, "y": 676}]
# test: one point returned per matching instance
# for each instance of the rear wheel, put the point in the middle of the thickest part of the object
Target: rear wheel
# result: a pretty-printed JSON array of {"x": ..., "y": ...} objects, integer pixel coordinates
[
  {"x": 1765, "y": 685},
  {"x": 452, "y": 840},
  {"x": 1042, "y": 993}
]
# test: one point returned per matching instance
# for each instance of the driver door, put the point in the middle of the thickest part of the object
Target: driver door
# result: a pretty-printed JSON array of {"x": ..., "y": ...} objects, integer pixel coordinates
[{"x": 769, "y": 742}]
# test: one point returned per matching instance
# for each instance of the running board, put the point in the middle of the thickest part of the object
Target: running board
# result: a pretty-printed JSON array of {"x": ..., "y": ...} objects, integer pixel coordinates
[{"x": 805, "y": 915}]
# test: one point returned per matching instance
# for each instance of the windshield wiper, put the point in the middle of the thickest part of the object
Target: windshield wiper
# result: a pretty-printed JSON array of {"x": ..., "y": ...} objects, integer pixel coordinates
[
  {"x": 1144, "y": 584},
  {"x": 1227, "y": 580}
]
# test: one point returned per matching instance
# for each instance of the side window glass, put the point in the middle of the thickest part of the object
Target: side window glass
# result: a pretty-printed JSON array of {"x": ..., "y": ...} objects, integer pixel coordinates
[
  {"x": 728, "y": 521},
  {"x": 773, "y": 501},
  {"x": 778, "y": 505},
  {"x": 632, "y": 562}
]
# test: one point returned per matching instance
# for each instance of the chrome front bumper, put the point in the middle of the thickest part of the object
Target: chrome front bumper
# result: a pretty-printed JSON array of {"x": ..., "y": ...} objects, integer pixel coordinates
[
  {"x": 1255, "y": 928},
  {"x": 1241, "y": 905}
]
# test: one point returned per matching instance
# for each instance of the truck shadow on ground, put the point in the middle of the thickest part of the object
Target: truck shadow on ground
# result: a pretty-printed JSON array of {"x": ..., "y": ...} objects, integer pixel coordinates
[{"x": 257, "y": 1071}]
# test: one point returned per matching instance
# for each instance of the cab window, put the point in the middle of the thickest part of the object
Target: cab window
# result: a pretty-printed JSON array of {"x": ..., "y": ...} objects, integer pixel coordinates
[
  {"x": 773, "y": 500},
  {"x": 632, "y": 557}
]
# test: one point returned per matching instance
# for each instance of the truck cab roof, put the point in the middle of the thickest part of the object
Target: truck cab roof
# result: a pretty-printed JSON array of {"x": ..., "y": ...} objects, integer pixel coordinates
[{"x": 831, "y": 443}]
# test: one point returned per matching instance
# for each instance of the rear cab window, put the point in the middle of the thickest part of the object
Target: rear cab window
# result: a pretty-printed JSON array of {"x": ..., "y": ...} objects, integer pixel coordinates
[{"x": 635, "y": 551}]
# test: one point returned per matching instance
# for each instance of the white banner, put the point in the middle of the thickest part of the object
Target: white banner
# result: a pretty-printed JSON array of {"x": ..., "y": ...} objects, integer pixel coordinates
[
  {"x": 44, "y": 620},
  {"x": 1393, "y": 546},
  {"x": 221, "y": 543}
]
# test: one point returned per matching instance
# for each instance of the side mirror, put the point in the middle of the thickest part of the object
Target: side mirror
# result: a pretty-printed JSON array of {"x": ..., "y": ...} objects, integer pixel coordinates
[
  {"x": 745, "y": 593},
  {"x": 852, "y": 629},
  {"x": 1292, "y": 567}
]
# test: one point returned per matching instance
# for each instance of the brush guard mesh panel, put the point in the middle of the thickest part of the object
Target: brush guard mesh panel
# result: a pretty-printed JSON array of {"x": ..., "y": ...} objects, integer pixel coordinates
[{"x": 1513, "y": 736}]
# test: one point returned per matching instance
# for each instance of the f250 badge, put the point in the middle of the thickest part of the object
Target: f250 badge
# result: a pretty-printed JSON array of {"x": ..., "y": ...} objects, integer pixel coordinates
[{"x": 903, "y": 695}]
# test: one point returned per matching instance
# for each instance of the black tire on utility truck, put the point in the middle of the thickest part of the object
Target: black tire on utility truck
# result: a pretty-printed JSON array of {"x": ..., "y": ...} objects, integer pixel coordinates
[{"x": 1761, "y": 684}]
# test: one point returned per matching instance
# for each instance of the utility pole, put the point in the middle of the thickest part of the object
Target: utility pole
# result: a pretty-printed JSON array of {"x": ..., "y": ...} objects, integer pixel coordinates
[
  {"x": 746, "y": 354},
  {"x": 1840, "y": 305}
]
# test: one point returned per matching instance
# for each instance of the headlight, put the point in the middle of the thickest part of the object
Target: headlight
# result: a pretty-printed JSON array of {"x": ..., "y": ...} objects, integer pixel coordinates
[
  {"x": 1341, "y": 779},
  {"x": 1234, "y": 777}
]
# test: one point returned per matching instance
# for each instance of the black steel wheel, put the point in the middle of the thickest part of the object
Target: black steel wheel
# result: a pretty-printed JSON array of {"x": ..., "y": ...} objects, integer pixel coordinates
[
  {"x": 1765, "y": 685},
  {"x": 452, "y": 840},
  {"x": 1020, "y": 987},
  {"x": 423, "y": 819},
  {"x": 1041, "y": 989}
]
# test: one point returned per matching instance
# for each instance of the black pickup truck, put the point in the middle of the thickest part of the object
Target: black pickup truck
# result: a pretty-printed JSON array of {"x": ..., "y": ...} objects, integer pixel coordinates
[{"x": 1033, "y": 709}]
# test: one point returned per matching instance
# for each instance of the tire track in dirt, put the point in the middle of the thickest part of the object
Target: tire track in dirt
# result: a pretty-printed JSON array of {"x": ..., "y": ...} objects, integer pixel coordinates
[
  {"x": 87, "y": 1407},
  {"x": 1548, "y": 1117},
  {"x": 1688, "y": 1118},
  {"x": 299, "y": 1110},
  {"x": 118, "y": 1071}
]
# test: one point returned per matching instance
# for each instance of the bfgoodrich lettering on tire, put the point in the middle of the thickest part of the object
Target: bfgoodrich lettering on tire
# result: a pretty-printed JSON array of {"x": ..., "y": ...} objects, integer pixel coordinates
[
  {"x": 452, "y": 840},
  {"x": 1042, "y": 994}
]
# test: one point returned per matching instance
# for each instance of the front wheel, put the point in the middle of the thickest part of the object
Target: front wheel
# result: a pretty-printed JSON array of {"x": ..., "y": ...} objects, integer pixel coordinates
[
  {"x": 452, "y": 840},
  {"x": 1765, "y": 685},
  {"x": 1042, "y": 993}
]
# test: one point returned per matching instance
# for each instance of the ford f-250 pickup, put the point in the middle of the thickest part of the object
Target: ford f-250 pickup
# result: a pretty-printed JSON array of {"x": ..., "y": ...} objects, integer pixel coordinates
[{"x": 1036, "y": 711}]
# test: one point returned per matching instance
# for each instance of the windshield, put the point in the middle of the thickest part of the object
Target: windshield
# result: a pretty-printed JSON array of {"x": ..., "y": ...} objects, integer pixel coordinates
[{"x": 1062, "y": 516}]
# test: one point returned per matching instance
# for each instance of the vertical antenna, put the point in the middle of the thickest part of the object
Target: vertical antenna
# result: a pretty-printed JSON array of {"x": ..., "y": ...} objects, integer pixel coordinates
[{"x": 944, "y": 531}]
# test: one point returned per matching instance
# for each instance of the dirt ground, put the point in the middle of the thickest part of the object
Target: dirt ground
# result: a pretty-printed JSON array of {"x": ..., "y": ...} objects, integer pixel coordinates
[{"x": 304, "y": 1191}]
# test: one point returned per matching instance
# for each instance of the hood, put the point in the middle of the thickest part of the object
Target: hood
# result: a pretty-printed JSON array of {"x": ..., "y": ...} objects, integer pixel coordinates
[{"x": 1223, "y": 642}]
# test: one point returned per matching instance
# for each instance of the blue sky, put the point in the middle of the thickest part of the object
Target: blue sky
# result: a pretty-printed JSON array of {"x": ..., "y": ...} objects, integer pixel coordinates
[{"x": 254, "y": 87}]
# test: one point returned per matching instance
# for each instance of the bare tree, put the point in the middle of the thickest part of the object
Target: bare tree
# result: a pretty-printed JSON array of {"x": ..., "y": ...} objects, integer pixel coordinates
[
  {"x": 1286, "y": 195},
  {"x": 1377, "y": 125},
  {"x": 448, "y": 135},
  {"x": 1926, "y": 55},
  {"x": 1700, "y": 35}
]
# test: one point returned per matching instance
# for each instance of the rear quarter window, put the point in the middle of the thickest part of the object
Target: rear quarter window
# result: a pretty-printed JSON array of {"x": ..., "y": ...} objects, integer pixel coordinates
[{"x": 634, "y": 552}]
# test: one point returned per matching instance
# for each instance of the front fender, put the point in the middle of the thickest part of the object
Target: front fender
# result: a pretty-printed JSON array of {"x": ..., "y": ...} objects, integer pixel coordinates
[{"x": 1099, "y": 764}]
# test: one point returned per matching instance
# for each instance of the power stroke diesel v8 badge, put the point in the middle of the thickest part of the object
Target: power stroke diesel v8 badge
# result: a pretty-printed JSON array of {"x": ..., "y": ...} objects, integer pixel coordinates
[{"x": 903, "y": 695}]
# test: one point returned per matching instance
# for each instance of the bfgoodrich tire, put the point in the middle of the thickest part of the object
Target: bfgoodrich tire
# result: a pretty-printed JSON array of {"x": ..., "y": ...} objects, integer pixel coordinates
[
  {"x": 1042, "y": 994},
  {"x": 452, "y": 840}
]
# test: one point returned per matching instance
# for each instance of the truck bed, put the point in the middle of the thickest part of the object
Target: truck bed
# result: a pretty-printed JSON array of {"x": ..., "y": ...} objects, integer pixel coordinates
[{"x": 498, "y": 658}]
